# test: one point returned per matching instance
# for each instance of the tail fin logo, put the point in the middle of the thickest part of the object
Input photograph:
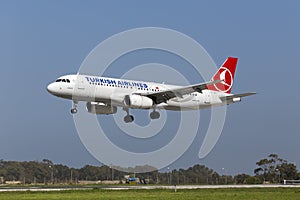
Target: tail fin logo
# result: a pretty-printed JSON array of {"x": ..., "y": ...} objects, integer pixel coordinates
[{"x": 226, "y": 77}]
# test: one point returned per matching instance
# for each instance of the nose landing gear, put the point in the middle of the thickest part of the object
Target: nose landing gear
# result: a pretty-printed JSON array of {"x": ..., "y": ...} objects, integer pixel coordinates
[{"x": 74, "y": 109}]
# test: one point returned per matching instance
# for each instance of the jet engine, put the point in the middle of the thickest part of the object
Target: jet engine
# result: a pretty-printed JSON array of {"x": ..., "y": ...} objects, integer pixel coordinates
[
  {"x": 138, "y": 101},
  {"x": 100, "y": 108}
]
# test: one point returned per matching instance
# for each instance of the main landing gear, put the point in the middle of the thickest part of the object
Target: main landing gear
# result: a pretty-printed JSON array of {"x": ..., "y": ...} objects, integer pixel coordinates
[
  {"x": 74, "y": 109},
  {"x": 154, "y": 115},
  {"x": 128, "y": 118}
]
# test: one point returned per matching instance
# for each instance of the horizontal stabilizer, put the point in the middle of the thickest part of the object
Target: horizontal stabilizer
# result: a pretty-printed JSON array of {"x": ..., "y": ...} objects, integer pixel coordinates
[{"x": 230, "y": 97}]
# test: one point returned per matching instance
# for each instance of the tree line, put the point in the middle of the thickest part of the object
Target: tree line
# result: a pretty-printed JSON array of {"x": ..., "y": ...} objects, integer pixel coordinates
[{"x": 272, "y": 169}]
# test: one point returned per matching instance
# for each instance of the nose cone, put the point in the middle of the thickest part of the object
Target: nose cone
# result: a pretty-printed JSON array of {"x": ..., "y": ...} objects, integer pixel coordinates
[{"x": 51, "y": 88}]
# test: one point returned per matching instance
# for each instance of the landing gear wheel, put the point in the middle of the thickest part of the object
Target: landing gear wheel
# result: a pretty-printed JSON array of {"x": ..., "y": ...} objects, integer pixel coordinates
[
  {"x": 154, "y": 115},
  {"x": 128, "y": 118},
  {"x": 74, "y": 110}
]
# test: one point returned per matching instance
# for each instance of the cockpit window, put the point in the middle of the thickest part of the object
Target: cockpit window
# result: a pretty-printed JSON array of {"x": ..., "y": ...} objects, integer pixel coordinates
[{"x": 63, "y": 80}]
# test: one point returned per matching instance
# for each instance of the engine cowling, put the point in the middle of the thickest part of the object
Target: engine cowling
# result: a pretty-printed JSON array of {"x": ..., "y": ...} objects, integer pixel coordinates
[
  {"x": 138, "y": 101},
  {"x": 98, "y": 108}
]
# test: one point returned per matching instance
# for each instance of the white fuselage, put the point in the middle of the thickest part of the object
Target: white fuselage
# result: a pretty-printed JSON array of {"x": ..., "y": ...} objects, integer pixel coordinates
[{"x": 112, "y": 91}]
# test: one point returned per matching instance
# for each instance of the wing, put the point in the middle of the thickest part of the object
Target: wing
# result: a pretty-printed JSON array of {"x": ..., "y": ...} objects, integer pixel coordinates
[
  {"x": 230, "y": 97},
  {"x": 163, "y": 96}
]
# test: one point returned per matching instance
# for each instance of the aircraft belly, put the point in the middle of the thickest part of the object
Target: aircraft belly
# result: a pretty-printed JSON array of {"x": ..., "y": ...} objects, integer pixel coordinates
[{"x": 188, "y": 105}]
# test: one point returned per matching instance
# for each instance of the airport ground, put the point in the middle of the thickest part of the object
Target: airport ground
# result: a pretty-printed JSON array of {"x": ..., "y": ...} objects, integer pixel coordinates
[{"x": 229, "y": 192}]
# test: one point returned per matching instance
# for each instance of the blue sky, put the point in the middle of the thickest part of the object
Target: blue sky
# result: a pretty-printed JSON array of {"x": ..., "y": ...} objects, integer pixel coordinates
[{"x": 41, "y": 40}]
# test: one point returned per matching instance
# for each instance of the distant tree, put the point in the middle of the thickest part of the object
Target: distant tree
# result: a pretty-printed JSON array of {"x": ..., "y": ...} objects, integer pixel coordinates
[
  {"x": 2, "y": 162},
  {"x": 89, "y": 172},
  {"x": 62, "y": 173},
  {"x": 215, "y": 178},
  {"x": 40, "y": 172},
  {"x": 47, "y": 162},
  {"x": 287, "y": 171},
  {"x": 14, "y": 171},
  {"x": 241, "y": 178},
  {"x": 274, "y": 169},
  {"x": 252, "y": 180}
]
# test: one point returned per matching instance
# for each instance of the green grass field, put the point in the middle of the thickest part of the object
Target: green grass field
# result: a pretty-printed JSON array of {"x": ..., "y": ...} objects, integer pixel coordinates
[{"x": 223, "y": 194}]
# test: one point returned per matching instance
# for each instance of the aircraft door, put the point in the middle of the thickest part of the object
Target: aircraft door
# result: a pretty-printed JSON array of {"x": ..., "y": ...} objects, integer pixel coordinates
[
  {"x": 82, "y": 89},
  {"x": 207, "y": 97}
]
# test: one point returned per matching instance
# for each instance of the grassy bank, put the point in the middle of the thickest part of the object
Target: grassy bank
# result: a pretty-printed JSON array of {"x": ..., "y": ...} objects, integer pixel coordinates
[{"x": 224, "y": 194}]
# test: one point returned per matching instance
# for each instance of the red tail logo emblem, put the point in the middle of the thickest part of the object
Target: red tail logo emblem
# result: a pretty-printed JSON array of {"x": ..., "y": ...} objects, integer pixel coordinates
[
  {"x": 226, "y": 75},
  {"x": 227, "y": 80}
]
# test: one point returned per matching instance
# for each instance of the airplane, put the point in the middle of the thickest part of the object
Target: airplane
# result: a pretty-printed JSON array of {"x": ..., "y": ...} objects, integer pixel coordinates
[{"x": 103, "y": 94}]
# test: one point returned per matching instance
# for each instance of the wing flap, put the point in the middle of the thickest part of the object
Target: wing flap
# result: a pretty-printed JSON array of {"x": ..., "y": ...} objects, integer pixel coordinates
[{"x": 163, "y": 96}]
